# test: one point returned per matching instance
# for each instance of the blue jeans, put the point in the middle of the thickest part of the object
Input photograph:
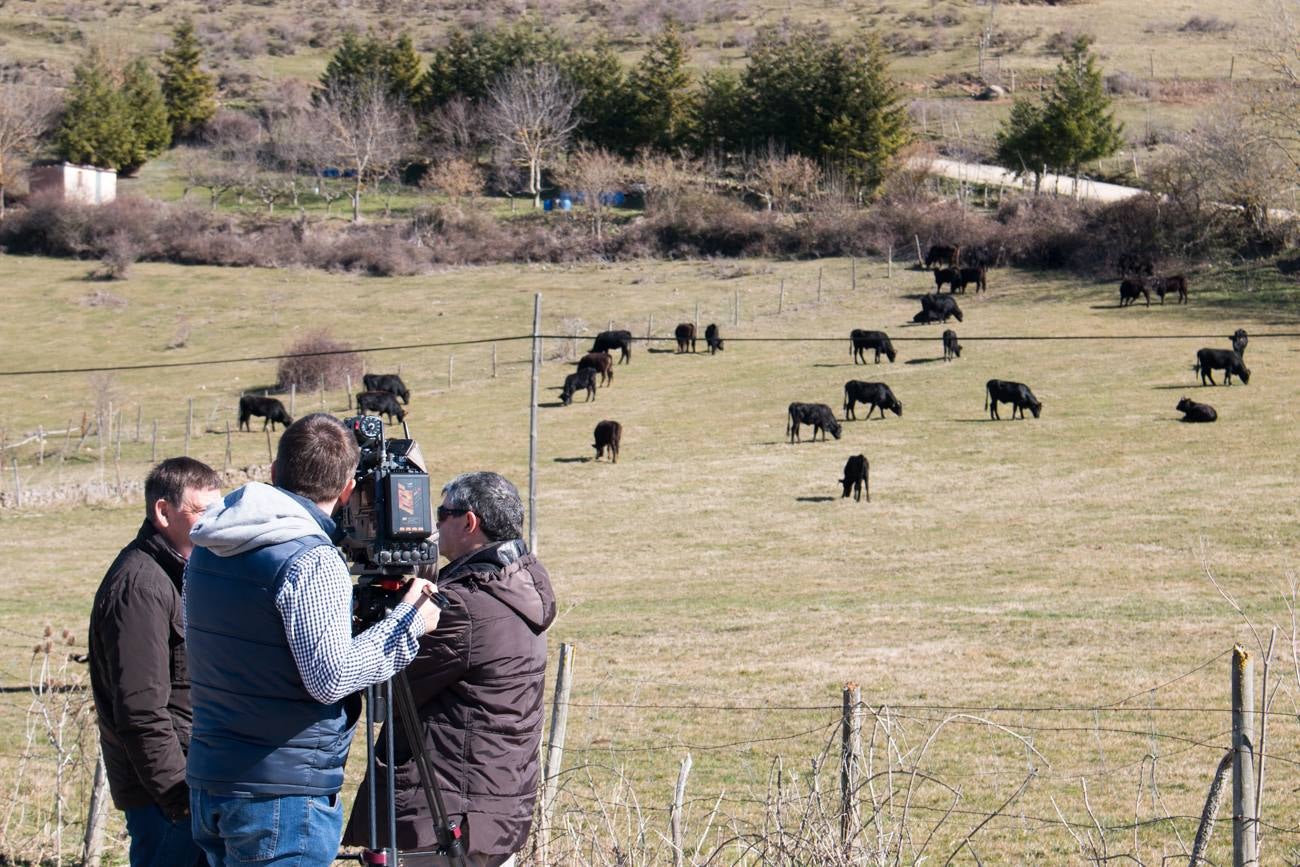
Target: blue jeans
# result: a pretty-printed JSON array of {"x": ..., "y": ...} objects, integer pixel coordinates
[
  {"x": 278, "y": 830},
  {"x": 158, "y": 842}
]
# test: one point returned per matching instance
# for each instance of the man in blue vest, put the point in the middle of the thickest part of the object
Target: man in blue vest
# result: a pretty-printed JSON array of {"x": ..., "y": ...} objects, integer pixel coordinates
[{"x": 274, "y": 667}]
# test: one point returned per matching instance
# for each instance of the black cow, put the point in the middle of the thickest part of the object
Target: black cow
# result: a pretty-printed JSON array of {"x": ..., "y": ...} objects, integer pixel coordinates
[
  {"x": 857, "y": 478},
  {"x": 938, "y": 308},
  {"x": 951, "y": 348},
  {"x": 685, "y": 334},
  {"x": 861, "y": 341},
  {"x": 876, "y": 395},
  {"x": 1193, "y": 411},
  {"x": 925, "y": 316},
  {"x": 389, "y": 382},
  {"x": 1136, "y": 264},
  {"x": 942, "y": 254},
  {"x": 1175, "y": 285},
  {"x": 608, "y": 434},
  {"x": 966, "y": 276},
  {"x": 946, "y": 275},
  {"x": 602, "y": 363},
  {"x": 620, "y": 340},
  {"x": 712, "y": 338},
  {"x": 380, "y": 402},
  {"x": 818, "y": 415},
  {"x": 1239, "y": 341},
  {"x": 1209, "y": 360},
  {"x": 1015, "y": 393},
  {"x": 269, "y": 408},
  {"x": 1129, "y": 290},
  {"x": 583, "y": 380}
]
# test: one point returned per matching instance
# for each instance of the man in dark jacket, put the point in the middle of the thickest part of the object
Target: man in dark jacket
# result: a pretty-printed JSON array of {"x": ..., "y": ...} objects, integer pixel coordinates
[
  {"x": 138, "y": 671},
  {"x": 478, "y": 683}
]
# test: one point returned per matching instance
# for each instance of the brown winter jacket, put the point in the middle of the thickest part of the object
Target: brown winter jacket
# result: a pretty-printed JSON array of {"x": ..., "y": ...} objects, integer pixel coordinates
[
  {"x": 477, "y": 681},
  {"x": 139, "y": 676}
]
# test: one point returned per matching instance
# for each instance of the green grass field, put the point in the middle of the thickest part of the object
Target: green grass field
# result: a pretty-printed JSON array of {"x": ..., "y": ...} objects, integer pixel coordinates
[{"x": 1057, "y": 562}]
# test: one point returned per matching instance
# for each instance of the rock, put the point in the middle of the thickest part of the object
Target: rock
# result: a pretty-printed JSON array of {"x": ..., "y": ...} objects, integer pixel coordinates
[{"x": 992, "y": 91}]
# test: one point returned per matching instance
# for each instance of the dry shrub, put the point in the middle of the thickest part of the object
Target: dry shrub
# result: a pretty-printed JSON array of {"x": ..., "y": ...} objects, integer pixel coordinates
[
  {"x": 315, "y": 356},
  {"x": 103, "y": 298},
  {"x": 705, "y": 225},
  {"x": 120, "y": 254},
  {"x": 1207, "y": 24},
  {"x": 1044, "y": 231}
]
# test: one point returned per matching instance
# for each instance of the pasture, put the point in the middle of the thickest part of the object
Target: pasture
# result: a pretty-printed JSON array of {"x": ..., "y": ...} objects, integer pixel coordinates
[{"x": 717, "y": 589}]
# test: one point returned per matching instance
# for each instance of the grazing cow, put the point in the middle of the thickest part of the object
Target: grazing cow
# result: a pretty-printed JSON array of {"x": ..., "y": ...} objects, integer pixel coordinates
[
  {"x": 602, "y": 363},
  {"x": 1129, "y": 290},
  {"x": 712, "y": 338},
  {"x": 1175, "y": 285},
  {"x": 608, "y": 434},
  {"x": 380, "y": 402},
  {"x": 269, "y": 408},
  {"x": 942, "y": 254},
  {"x": 939, "y": 308},
  {"x": 946, "y": 275},
  {"x": 1135, "y": 264},
  {"x": 583, "y": 380},
  {"x": 620, "y": 340},
  {"x": 981, "y": 255},
  {"x": 966, "y": 276},
  {"x": 861, "y": 341},
  {"x": 1209, "y": 360},
  {"x": 389, "y": 382},
  {"x": 925, "y": 316},
  {"x": 818, "y": 415},
  {"x": 1193, "y": 411},
  {"x": 876, "y": 395},
  {"x": 1015, "y": 393},
  {"x": 1239, "y": 341},
  {"x": 685, "y": 334},
  {"x": 951, "y": 348},
  {"x": 857, "y": 473}
]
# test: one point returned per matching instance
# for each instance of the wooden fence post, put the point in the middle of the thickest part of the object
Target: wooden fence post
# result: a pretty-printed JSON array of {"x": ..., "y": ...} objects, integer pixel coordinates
[
  {"x": 67, "y": 440},
  {"x": 92, "y": 847},
  {"x": 850, "y": 761},
  {"x": 18, "y": 484},
  {"x": 1244, "y": 820},
  {"x": 40, "y": 442},
  {"x": 227, "y": 444},
  {"x": 697, "y": 316},
  {"x": 153, "y": 448},
  {"x": 187, "y": 442},
  {"x": 494, "y": 361},
  {"x": 189, "y": 425},
  {"x": 293, "y": 398},
  {"x": 780, "y": 298},
  {"x": 270, "y": 452},
  {"x": 819, "y": 284},
  {"x": 348, "y": 377},
  {"x": 532, "y": 422},
  {"x": 649, "y": 330},
  {"x": 451, "y": 371},
  {"x": 889, "y": 260},
  {"x": 679, "y": 799},
  {"x": 853, "y": 272},
  {"x": 555, "y": 744},
  {"x": 322, "y": 391}
]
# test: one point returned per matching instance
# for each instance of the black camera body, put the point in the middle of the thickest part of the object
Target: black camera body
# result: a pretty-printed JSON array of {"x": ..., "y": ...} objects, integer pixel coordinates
[{"x": 388, "y": 521}]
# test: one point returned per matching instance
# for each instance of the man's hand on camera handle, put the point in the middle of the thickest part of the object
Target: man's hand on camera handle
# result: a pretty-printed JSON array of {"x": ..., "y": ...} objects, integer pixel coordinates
[{"x": 420, "y": 594}]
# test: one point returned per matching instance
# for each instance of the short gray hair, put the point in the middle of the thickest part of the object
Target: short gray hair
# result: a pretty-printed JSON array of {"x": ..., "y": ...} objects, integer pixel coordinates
[{"x": 493, "y": 498}]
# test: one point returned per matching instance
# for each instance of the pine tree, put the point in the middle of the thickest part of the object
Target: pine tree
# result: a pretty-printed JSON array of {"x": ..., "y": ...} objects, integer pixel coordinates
[
  {"x": 151, "y": 132},
  {"x": 402, "y": 67},
  {"x": 360, "y": 58},
  {"x": 189, "y": 92},
  {"x": 604, "y": 105},
  {"x": 661, "y": 92},
  {"x": 872, "y": 124},
  {"x": 96, "y": 128},
  {"x": 718, "y": 121}
]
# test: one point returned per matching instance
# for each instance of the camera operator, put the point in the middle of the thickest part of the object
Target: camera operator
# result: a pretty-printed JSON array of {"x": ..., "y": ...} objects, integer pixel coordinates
[
  {"x": 138, "y": 671},
  {"x": 273, "y": 662},
  {"x": 477, "y": 683}
]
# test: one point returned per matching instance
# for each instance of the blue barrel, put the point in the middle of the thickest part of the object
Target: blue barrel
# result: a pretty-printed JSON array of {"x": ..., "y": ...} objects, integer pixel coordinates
[
  {"x": 566, "y": 204},
  {"x": 548, "y": 204}
]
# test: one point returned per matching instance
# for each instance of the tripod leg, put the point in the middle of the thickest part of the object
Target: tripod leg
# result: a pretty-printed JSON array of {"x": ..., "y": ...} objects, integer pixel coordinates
[
  {"x": 448, "y": 833},
  {"x": 391, "y": 792}
]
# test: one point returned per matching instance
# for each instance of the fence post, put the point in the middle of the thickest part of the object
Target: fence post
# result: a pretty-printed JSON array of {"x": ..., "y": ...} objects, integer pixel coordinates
[
  {"x": 227, "y": 444},
  {"x": 780, "y": 298},
  {"x": 697, "y": 316},
  {"x": 679, "y": 799},
  {"x": 555, "y": 744},
  {"x": 67, "y": 441},
  {"x": 293, "y": 398},
  {"x": 187, "y": 445},
  {"x": 850, "y": 752},
  {"x": 349, "y": 394},
  {"x": 40, "y": 441},
  {"x": 189, "y": 425},
  {"x": 93, "y": 843},
  {"x": 819, "y": 284},
  {"x": 494, "y": 361},
  {"x": 153, "y": 447},
  {"x": 322, "y": 391},
  {"x": 532, "y": 423},
  {"x": 649, "y": 330},
  {"x": 1244, "y": 820},
  {"x": 18, "y": 484},
  {"x": 270, "y": 452},
  {"x": 853, "y": 272},
  {"x": 889, "y": 260},
  {"x": 451, "y": 369}
]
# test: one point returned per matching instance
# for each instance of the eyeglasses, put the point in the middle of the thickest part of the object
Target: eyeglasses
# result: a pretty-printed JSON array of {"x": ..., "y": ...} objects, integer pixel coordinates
[{"x": 444, "y": 513}]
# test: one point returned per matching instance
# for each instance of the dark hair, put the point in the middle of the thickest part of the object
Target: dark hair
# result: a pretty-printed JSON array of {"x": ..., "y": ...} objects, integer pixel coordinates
[
  {"x": 168, "y": 481},
  {"x": 492, "y": 498},
  {"x": 316, "y": 457}
]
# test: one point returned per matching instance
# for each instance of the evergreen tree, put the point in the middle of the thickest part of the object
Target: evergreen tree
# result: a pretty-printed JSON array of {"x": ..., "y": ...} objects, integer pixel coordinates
[
  {"x": 472, "y": 61},
  {"x": 151, "y": 132},
  {"x": 361, "y": 58},
  {"x": 96, "y": 128},
  {"x": 872, "y": 124},
  {"x": 718, "y": 122},
  {"x": 661, "y": 93},
  {"x": 1073, "y": 124},
  {"x": 604, "y": 104},
  {"x": 189, "y": 92},
  {"x": 402, "y": 66}
]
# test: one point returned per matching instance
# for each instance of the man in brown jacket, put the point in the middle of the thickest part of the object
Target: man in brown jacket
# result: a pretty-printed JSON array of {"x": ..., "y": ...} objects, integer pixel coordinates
[
  {"x": 138, "y": 672},
  {"x": 478, "y": 684}
]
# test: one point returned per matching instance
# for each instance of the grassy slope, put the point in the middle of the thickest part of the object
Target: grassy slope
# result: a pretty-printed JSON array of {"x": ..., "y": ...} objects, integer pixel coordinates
[{"x": 1055, "y": 561}]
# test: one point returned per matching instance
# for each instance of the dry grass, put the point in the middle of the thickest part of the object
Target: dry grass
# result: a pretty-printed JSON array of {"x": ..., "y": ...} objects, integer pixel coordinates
[{"x": 1038, "y": 563}]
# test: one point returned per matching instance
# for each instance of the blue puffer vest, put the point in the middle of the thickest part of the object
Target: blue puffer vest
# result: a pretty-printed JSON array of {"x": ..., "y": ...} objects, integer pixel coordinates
[{"x": 257, "y": 731}]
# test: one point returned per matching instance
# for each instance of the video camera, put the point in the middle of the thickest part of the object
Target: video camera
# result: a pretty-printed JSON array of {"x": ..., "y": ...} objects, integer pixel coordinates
[{"x": 388, "y": 521}]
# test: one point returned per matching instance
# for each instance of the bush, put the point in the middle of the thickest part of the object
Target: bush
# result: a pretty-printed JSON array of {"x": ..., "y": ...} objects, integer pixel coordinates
[{"x": 306, "y": 371}]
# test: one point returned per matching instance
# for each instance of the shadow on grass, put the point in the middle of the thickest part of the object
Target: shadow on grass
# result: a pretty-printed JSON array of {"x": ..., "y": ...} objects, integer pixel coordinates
[
  {"x": 924, "y": 360},
  {"x": 814, "y": 499},
  {"x": 979, "y": 420},
  {"x": 1111, "y": 306},
  {"x": 574, "y": 460},
  {"x": 653, "y": 351},
  {"x": 550, "y": 405},
  {"x": 1183, "y": 387}
]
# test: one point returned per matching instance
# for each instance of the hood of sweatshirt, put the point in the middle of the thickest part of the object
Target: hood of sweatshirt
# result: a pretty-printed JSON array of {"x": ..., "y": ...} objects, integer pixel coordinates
[{"x": 258, "y": 515}]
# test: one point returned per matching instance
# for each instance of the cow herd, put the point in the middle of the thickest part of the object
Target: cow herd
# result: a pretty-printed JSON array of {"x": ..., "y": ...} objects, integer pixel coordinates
[{"x": 382, "y": 391}]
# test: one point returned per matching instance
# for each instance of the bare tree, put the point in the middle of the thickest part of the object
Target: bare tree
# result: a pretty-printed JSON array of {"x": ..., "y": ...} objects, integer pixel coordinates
[
  {"x": 26, "y": 114},
  {"x": 455, "y": 178},
  {"x": 595, "y": 173},
  {"x": 778, "y": 180},
  {"x": 364, "y": 131},
  {"x": 1279, "y": 51},
  {"x": 665, "y": 178},
  {"x": 456, "y": 129},
  {"x": 530, "y": 113}
]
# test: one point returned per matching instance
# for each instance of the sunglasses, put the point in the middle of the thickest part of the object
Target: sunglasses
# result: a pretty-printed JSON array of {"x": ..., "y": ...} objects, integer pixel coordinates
[{"x": 444, "y": 513}]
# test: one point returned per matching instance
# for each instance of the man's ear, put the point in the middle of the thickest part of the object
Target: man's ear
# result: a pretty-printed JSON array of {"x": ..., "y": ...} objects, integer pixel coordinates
[
  {"x": 159, "y": 512},
  {"x": 346, "y": 493},
  {"x": 473, "y": 524}
]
